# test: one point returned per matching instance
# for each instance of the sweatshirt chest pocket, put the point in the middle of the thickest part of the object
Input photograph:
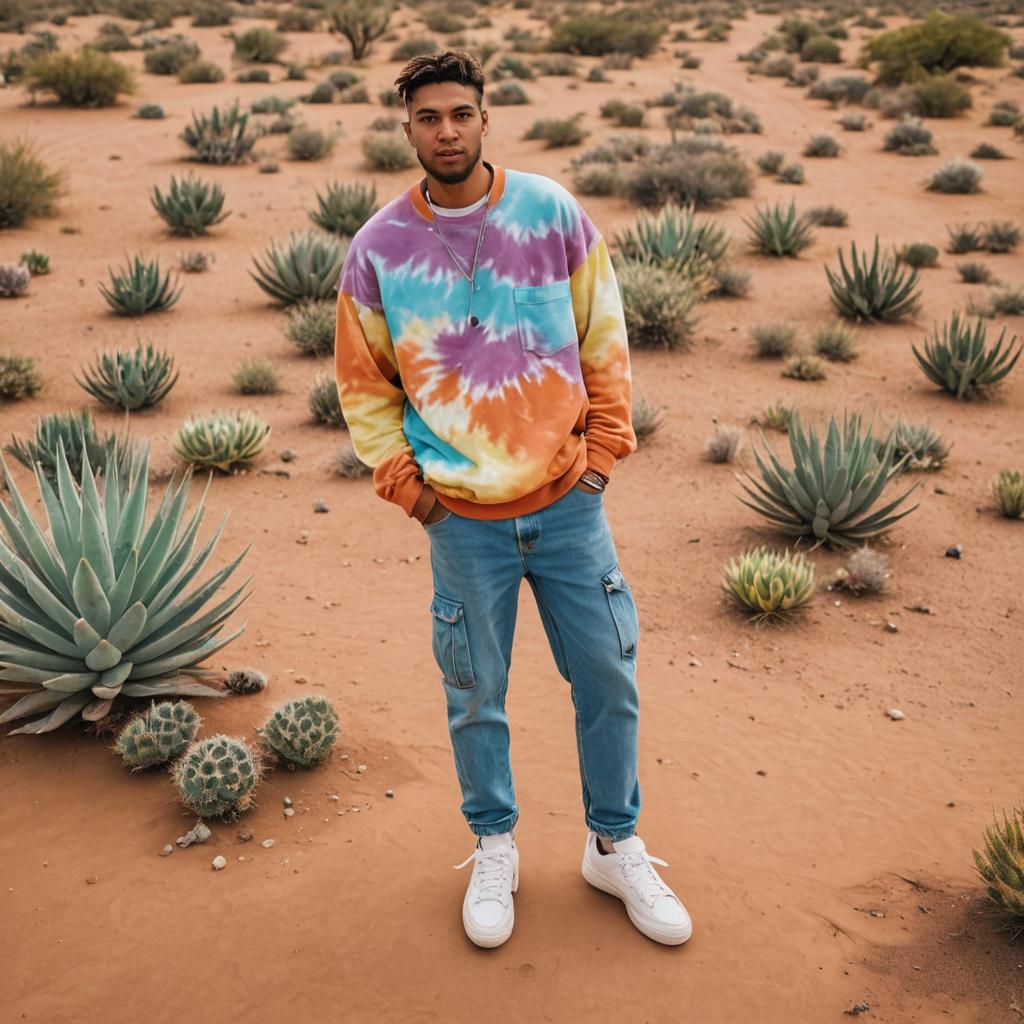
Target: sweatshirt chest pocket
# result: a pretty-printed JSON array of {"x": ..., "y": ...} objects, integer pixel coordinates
[{"x": 545, "y": 318}]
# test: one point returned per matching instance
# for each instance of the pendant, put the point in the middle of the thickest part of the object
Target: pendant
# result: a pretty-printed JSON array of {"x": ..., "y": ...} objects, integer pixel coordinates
[{"x": 473, "y": 321}]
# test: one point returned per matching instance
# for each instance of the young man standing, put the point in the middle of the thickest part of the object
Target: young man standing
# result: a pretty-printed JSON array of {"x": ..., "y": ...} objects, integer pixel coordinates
[{"x": 483, "y": 369}]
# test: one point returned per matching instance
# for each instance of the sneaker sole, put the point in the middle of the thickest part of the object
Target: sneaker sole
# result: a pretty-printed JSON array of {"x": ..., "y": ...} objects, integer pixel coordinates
[
  {"x": 652, "y": 931},
  {"x": 489, "y": 939}
]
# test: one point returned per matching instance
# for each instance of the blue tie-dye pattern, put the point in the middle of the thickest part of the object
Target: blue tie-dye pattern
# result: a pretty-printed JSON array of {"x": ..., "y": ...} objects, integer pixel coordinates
[{"x": 428, "y": 449}]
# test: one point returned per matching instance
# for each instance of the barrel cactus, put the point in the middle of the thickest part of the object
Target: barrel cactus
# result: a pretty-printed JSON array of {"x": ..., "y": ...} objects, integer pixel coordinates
[
  {"x": 96, "y": 609},
  {"x": 771, "y": 584},
  {"x": 157, "y": 735},
  {"x": 302, "y": 731},
  {"x": 216, "y": 777}
]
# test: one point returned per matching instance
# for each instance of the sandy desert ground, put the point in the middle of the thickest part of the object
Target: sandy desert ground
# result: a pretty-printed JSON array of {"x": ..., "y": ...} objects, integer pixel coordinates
[{"x": 823, "y": 850}]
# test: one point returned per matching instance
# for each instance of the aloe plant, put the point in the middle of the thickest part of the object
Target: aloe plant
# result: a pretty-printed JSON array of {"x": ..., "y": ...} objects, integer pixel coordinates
[
  {"x": 1008, "y": 491},
  {"x": 220, "y": 138},
  {"x": 191, "y": 206},
  {"x": 673, "y": 239},
  {"x": 307, "y": 267},
  {"x": 1001, "y": 863},
  {"x": 873, "y": 289},
  {"x": 771, "y": 584},
  {"x": 779, "y": 231},
  {"x": 95, "y": 610},
  {"x": 127, "y": 379},
  {"x": 828, "y": 495},
  {"x": 957, "y": 360},
  {"x": 925, "y": 448},
  {"x": 140, "y": 288},
  {"x": 345, "y": 208},
  {"x": 221, "y": 440}
]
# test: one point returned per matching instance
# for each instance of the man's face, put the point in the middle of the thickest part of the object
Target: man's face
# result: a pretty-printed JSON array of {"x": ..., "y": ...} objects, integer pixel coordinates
[{"x": 444, "y": 116}]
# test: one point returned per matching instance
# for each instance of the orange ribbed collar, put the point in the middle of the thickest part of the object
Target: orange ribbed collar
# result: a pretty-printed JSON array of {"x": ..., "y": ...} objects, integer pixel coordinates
[{"x": 421, "y": 206}]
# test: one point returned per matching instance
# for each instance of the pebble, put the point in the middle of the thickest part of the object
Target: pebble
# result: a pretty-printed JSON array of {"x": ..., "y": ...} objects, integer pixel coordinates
[
  {"x": 219, "y": 862},
  {"x": 955, "y": 551},
  {"x": 895, "y": 714},
  {"x": 320, "y": 506},
  {"x": 167, "y": 850},
  {"x": 857, "y": 1008},
  {"x": 199, "y": 833},
  {"x": 891, "y": 627},
  {"x": 289, "y": 812},
  {"x": 267, "y": 843},
  {"x": 389, "y": 792},
  {"x": 333, "y": 796},
  {"x": 952, "y": 803},
  {"x": 91, "y": 880},
  {"x": 287, "y": 801},
  {"x": 694, "y": 663},
  {"x": 287, "y": 455},
  {"x": 245, "y": 837},
  {"x": 361, "y": 768}
]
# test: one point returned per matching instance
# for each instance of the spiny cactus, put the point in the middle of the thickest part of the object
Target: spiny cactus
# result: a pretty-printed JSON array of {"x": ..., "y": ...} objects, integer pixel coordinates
[
  {"x": 1008, "y": 491},
  {"x": 772, "y": 584},
  {"x": 157, "y": 735},
  {"x": 673, "y": 238},
  {"x": 956, "y": 359},
  {"x": 216, "y": 777},
  {"x": 865, "y": 572},
  {"x": 191, "y": 206},
  {"x": 245, "y": 680},
  {"x": 140, "y": 288},
  {"x": 873, "y": 289},
  {"x": 221, "y": 440},
  {"x": 306, "y": 267},
  {"x": 220, "y": 137},
  {"x": 130, "y": 379},
  {"x": 302, "y": 731},
  {"x": 1001, "y": 863},
  {"x": 344, "y": 209},
  {"x": 14, "y": 280}
]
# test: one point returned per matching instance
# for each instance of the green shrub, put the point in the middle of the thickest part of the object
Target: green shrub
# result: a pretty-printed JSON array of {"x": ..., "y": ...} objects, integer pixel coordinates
[
  {"x": 256, "y": 377},
  {"x": 919, "y": 254},
  {"x": 150, "y": 112},
  {"x": 873, "y": 289},
  {"x": 259, "y": 45},
  {"x": 506, "y": 94},
  {"x": 827, "y": 216},
  {"x": 804, "y": 367},
  {"x": 558, "y": 131},
  {"x": 822, "y": 145},
  {"x": 311, "y": 327},
  {"x": 919, "y": 444},
  {"x": 417, "y": 46},
  {"x": 324, "y": 402},
  {"x": 830, "y": 492},
  {"x": 221, "y": 440},
  {"x": 940, "y": 43},
  {"x": 211, "y": 13},
  {"x": 1007, "y": 301},
  {"x": 361, "y": 24},
  {"x": 111, "y": 38},
  {"x": 323, "y": 92},
  {"x": 729, "y": 282},
  {"x": 675, "y": 240},
  {"x": 307, "y": 267},
  {"x": 385, "y": 151},
  {"x": 597, "y": 180},
  {"x": 272, "y": 105},
  {"x": 297, "y": 19},
  {"x": 835, "y": 342},
  {"x": 986, "y": 151},
  {"x": 354, "y": 94},
  {"x": 773, "y": 585},
  {"x": 700, "y": 171},
  {"x": 909, "y": 138},
  {"x": 974, "y": 273},
  {"x": 252, "y": 76},
  {"x": 597, "y": 34},
  {"x": 308, "y": 144},
  {"x": 220, "y": 137},
  {"x": 779, "y": 231},
  {"x": 560, "y": 66},
  {"x": 170, "y": 58},
  {"x": 200, "y": 71},
  {"x": 841, "y": 89},
  {"x": 19, "y": 377},
  {"x": 853, "y": 122},
  {"x": 28, "y": 188},
  {"x": 35, "y": 262},
  {"x": 347, "y": 464},
  {"x": 625, "y": 115},
  {"x": 87, "y": 78},
  {"x": 658, "y": 305},
  {"x": 1005, "y": 114},
  {"x": 791, "y": 174},
  {"x": 957, "y": 177},
  {"x": 822, "y": 49},
  {"x": 1000, "y": 236},
  {"x": 771, "y": 161},
  {"x": 344, "y": 209},
  {"x": 956, "y": 358},
  {"x": 1008, "y": 491},
  {"x": 964, "y": 238},
  {"x": 130, "y": 379},
  {"x": 773, "y": 341},
  {"x": 776, "y": 67},
  {"x": 940, "y": 96}
]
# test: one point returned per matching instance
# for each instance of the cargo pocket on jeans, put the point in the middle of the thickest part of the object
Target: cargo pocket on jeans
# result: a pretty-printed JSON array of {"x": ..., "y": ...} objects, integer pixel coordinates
[
  {"x": 451, "y": 642},
  {"x": 623, "y": 609}
]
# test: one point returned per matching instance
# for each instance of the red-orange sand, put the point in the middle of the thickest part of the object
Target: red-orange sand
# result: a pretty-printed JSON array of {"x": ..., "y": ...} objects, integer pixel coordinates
[{"x": 823, "y": 850}]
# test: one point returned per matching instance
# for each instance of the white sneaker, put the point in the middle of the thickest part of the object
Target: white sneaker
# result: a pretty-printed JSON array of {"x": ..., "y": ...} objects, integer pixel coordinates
[
  {"x": 627, "y": 873},
  {"x": 487, "y": 910}
]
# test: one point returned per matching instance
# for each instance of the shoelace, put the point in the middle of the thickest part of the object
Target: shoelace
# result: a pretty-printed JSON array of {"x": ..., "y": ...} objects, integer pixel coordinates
[
  {"x": 636, "y": 869},
  {"x": 493, "y": 877}
]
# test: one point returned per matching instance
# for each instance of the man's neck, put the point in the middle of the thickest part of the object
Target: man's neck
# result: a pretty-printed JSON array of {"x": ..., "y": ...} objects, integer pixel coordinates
[{"x": 465, "y": 193}]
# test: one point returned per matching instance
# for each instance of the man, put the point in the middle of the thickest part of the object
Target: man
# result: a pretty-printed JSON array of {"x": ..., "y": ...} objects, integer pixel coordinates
[{"x": 483, "y": 369}]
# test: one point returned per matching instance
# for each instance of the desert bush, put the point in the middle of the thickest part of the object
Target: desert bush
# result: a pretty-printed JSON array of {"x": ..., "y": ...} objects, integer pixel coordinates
[
  {"x": 558, "y": 132},
  {"x": 253, "y": 76},
  {"x": 1008, "y": 491},
  {"x": 723, "y": 444},
  {"x": 87, "y": 78},
  {"x": 956, "y": 177},
  {"x": 658, "y": 305},
  {"x": 414, "y": 47},
  {"x": 729, "y": 282},
  {"x": 557, "y": 66},
  {"x": 1005, "y": 114},
  {"x": 344, "y": 209},
  {"x": 259, "y": 45},
  {"x": 779, "y": 231},
  {"x": 804, "y": 367},
  {"x": 771, "y": 161},
  {"x": 821, "y": 49},
  {"x": 986, "y": 151},
  {"x": 773, "y": 585},
  {"x": 675, "y": 240},
  {"x": 191, "y": 206},
  {"x": 221, "y": 440},
  {"x": 964, "y": 238},
  {"x": 35, "y": 262},
  {"x": 130, "y": 379},
  {"x": 909, "y": 138},
  {"x": 385, "y": 151},
  {"x": 940, "y": 96},
  {"x": 19, "y": 377},
  {"x": 256, "y": 377},
  {"x": 830, "y": 492},
  {"x": 361, "y": 24},
  {"x": 311, "y": 327},
  {"x": 308, "y": 144},
  {"x": 211, "y": 13},
  {"x": 323, "y": 400},
  {"x": 835, "y": 342},
  {"x": 322, "y": 92},
  {"x": 821, "y": 145},
  {"x": 150, "y": 112},
  {"x": 171, "y": 57},
  {"x": 597, "y": 34},
  {"x": 646, "y": 418},
  {"x": 957, "y": 359},
  {"x": 220, "y": 137},
  {"x": 14, "y": 280},
  {"x": 306, "y": 267},
  {"x": 791, "y": 174},
  {"x": 1000, "y": 236},
  {"x": 841, "y": 89},
  {"x": 597, "y": 74},
  {"x": 940, "y": 43},
  {"x": 272, "y": 105},
  {"x": 922, "y": 447},
  {"x": 297, "y": 19},
  {"x": 1006, "y": 301},
  {"x": 919, "y": 254},
  {"x": 195, "y": 262},
  {"x": 827, "y": 216},
  {"x": 625, "y": 115},
  {"x": 347, "y": 464},
  {"x": 974, "y": 273},
  {"x": 853, "y": 121},
  {"x": 506, "y": 94},
  {"x": 28, "y": 188},
  {"x": 1001, "y": 863},
  {"x": 597, "y": 180},
  {"x": 865, "y": 572},
  {"x": 112, "y": 38},
  {"x": 700, "y": 171},
  {"x": 354, "y": 94},
  {"x": 140, "y": 288},
  {"x": 773, "y": 340},
  {"x": 878, "y": 288}
]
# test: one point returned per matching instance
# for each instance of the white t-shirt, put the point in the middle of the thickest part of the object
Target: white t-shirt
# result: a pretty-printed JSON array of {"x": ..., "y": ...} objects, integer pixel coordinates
[{"x": 459, "y": 211}]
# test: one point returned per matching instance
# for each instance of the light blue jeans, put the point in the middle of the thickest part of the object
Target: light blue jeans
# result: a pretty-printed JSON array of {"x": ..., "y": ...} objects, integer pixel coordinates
[{"x": 566, "y": 554}]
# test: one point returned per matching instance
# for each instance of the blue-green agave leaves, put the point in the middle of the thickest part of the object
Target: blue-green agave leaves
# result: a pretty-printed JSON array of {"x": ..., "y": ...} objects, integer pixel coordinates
[{"x": 95, "y": 608}]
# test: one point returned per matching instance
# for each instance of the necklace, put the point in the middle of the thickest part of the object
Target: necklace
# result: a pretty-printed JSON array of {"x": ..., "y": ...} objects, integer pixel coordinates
[{"x": 470, "y": 277}]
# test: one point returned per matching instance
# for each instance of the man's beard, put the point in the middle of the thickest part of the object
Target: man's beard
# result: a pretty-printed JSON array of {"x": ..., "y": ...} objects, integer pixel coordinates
[{"x": 452, "y": 177}]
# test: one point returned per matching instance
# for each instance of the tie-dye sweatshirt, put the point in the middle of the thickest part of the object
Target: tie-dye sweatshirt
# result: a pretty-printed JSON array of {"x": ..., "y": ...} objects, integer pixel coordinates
[{"x": 501, "y": 418}]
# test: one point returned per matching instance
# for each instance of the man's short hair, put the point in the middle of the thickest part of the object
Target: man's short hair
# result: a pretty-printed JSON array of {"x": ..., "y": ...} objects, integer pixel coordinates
[{"x": 443, "y": 66}]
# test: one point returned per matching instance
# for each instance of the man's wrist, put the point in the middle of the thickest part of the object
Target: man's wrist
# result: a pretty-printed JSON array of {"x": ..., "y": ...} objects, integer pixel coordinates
[{"x": 594, "y": 479}]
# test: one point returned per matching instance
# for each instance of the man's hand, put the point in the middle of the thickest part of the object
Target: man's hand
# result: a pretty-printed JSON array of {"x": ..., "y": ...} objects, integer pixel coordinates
[
  {"x": 436, "y": 514},
  {"x": 590, "y": 482}
]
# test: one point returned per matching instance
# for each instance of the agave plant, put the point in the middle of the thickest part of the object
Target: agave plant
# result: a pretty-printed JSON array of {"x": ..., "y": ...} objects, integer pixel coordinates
[
  {"x": 925, "y": 448},
  {"x": 140, "y": 289},
  {"x": 306, "y": 268},
  {"x": 127, "y": 379},
  {"x": 779, "y": 231},
  {"x": 771, "y": 584},
  {"x": 875, "y": 289},
  {"x": 95, "y": 610},
  {"x": 345, "y": 208},
  {"x": 190, "y": 206},
  {"x": 1001, "y": 863},
  {"x": 956, "y": 359},
  {"x": 221, "y": 440},
  {"x": 827, "y": 495},
  {"x": 220, "y": 138},
  {"x": 1008, "y": 491},
  {"x": 75, "y": 432},
  {"x": 673, "y": 239}
]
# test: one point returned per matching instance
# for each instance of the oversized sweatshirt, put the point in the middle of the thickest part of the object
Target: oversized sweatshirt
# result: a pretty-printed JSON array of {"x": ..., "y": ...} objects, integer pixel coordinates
[{"x": 503, "y": 417}]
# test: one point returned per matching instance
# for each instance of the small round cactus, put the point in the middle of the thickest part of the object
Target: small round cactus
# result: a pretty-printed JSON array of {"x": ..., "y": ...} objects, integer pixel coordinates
[
  {"x": 245, "y": 680},
  {"x": 216, "y": 776},
  {"x": 302, "y": 731},
  {"x": 158, "y": 734}
]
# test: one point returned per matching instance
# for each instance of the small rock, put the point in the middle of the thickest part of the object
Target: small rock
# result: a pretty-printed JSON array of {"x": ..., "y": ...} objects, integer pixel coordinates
[
  {"x": 955, "y": 551},
  {"x": 952, "y": 803},
  {"x": 219, "y": 862},
  {"x": 287, "y": 801},
  {"x": 199, "y": 833},
  {"x": 694, "y": 663},
  {"x": 320, "y": 506},
  {"x": 289, "y": 812},
  {"x": 761, "y": 771},
  {"x": 891, "y": 627},
  {"x": 91, "y": 880},
  {"x": 287, "y": 455},
  {"x": 267, "y": 843},
  {"x": 857, "y": 1008},
  {"x": 333, "y": 796},
  {"x": 895, "y": 714},
  {"x": 389, "y": 792},
  {"x": 303, "y": 537},
  {"x": 167, "y": 850},
  {"x": 245, "y": 837},
  {"x": 361, "y": 768}
]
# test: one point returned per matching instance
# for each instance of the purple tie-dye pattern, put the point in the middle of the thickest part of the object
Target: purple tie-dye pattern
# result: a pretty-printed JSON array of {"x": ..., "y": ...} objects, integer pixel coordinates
[{"x": 480, "y": 358}]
